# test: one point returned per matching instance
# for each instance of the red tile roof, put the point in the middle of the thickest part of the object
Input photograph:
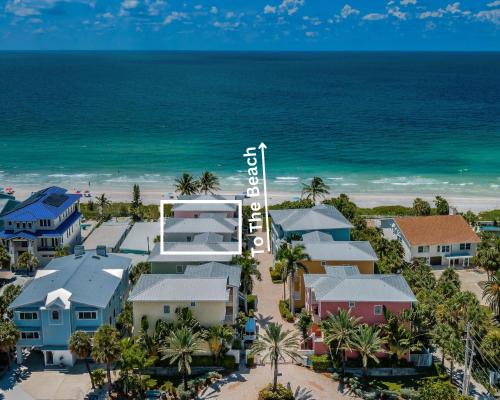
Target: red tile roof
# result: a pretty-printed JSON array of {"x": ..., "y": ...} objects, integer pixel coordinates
[{"x": 436, "y": 229}]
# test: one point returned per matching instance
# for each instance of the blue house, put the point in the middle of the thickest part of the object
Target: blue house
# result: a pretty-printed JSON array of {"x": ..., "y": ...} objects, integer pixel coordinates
[
  {"x": 288, "y": 225},
  {"x": 47, "y": 220},
  {"x": 79, "y": 292}
]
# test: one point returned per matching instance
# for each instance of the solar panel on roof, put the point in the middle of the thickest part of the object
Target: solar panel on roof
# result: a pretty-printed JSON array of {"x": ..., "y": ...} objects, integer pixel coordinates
[{"x": 55, "y": 200}]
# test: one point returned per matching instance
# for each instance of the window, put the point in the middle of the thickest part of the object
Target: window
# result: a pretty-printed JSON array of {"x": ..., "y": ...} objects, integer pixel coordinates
[
  {"x": 87, "y": 314},
  {"x": 423, "y": 249},
  {"x": 28, "y": 315},
  {"x": 55, "y": 315},
  {"x": 464, "y": 246},
  {"x": 180, "y": 269},
  {"x": 378, "y": 310},
  {"x": 166, "y": 309},
  {"x": 445, "y": 248},
  {"x": 30, "y": 335},
  {"x": 193, "y": 304},
  {"x": 352, "y": 304}
]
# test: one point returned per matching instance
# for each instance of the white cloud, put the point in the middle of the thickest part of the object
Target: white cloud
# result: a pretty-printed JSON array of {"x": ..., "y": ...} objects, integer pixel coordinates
[
  {"x": 174, "y": 16},
  {"x": 348, "y": 10},
  {"x": 494, "y": 4},
  {"x": 290, "y": 6},
  {"x": 406, "y": 2},
  {"x": 440, "y": 12},
  {"x": 374, "y": 17},
  {"x": 198, "y": 7},
  {"x": 214, "y": 10},
  {"x": 269, "y": 9},
  {"x": 227, "y": 26},
  {"x": 311, "y": 34},
  {"x": 431, "y": 14},
  {"x": 107, "y": 15},
  {"x": 230, "y": 14},
  {"x": 129, "y": 4},
  {"x": 155, "y": 7},
  {"x": 35, "y": 21},
  {"x": 396, "y": 12},
  {"x": 492, "y": 16},
  {"x": 453, "y": 8},
  {"x": 20, "y": 9}
]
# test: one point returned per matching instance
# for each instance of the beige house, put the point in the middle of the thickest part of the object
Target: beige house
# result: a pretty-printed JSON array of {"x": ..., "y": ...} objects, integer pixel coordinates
[{"x": 158, "y": 296}]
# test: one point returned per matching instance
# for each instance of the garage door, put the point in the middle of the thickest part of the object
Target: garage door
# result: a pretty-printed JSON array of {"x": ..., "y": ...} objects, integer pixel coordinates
[{"x": 436, "y": 260}]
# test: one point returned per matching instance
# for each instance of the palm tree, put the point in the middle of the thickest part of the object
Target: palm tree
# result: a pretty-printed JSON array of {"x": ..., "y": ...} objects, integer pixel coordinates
[
  {"x": 275, "y": 345},
  {"x": 338, "y": 330},
  {"x": 186, "y": 185},
  {"x": 317, "y": 188},
  {"x": 218, "y": 338},
  {"x": 421, "y": 207},
  {"x": 488, "y": 254},
  {"x": 208, "y": 182},
  {"x": 180, "y": 346},
  {"x": 61, "y": 252},
  {"x": 107, "y": 348},
  {"x": 27, "y": 261},
  {"x": 9, "y": 335},
  {"x": 367, "y": 342},
  {"x": 291, "y": 261},
  {"x": 80, "y": 344},
  {"x": 102, "y": 203},
  {"x": 491, "y": 292},
  {"x": 249, "y": 270}
]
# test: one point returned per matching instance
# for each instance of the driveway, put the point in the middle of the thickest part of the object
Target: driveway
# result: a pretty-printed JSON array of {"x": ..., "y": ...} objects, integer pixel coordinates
[
  {"x": 39, "y": 384},
  {"x": 245, "y": 384},
  {"x": 470, "y": 279}
]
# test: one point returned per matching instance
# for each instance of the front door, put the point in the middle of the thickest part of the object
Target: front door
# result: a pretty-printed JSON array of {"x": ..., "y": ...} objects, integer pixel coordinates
[{"x": 50, "y": 358}]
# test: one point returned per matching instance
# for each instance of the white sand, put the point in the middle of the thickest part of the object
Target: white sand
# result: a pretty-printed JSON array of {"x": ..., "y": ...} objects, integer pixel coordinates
[{"x": 153, "y": 195}]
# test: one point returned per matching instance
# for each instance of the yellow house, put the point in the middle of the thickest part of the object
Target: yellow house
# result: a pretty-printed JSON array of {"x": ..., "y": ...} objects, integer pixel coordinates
[
  {"x": 324, "y": 251},
  {"x": 157, "y": 296}
]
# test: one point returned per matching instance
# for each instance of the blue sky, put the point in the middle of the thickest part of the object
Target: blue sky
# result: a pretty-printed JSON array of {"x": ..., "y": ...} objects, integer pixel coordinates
[{"x": 250, "y": 24}]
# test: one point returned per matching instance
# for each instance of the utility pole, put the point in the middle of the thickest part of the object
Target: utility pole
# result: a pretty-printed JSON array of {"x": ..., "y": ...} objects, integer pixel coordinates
[{"x": 469, "y": 357}]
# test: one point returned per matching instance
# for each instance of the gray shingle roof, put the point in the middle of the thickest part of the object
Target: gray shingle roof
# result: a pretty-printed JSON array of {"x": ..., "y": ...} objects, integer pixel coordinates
[
  {"x": 317, "y": 236},
  {"x": 89, "y": 279},
  {"x": 360, "y": 287},
  {"x": 216, "y": 270},
  {"x": 166, "y": 287},
  {"x": 215, "y": 207},
  {"x": 201, "y": 225},
  {"x": 339, "y": 251},
  {"x": 156, "y": 256},
  {"x": 207, "y": 237},
  {"x": 320, "y": 217}
]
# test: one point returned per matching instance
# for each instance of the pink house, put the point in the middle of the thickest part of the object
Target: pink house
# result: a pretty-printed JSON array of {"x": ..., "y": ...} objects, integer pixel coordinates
[{"x": 365, "y": 295}]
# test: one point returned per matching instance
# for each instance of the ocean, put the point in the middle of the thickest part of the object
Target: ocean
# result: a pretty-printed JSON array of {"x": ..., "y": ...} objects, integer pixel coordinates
[{"x": 364, "y": 122}]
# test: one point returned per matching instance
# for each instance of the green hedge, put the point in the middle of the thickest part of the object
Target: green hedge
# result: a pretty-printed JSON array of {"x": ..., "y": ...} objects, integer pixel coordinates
[
  {"x": 281, "y": 393},
  {"x": 320, "y": 363},
  {"x": 285, "y": 311},
  {"x": 275, "y": 275},
  {"x": 251, "y": 300}
]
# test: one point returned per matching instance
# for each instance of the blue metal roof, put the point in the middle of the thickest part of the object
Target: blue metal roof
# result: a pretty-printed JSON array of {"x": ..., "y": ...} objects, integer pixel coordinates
[
  {"x": 48, "y": 203},
  {"x": 250, "y": 325},
  {"x": 59, "y": 231}
]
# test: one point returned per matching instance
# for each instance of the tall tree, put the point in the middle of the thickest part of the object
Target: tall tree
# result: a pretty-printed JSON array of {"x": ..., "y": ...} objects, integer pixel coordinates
[
  {"x": 471, "y": 218},
  {"x": 9, "y": 294},
  {"x": 80, "y": 344},
  {"x": 136, "y": 196},
  {"x": 317, "y": 188},
  {"x": 27, "y": 261},
  {"x": 133, "y": 361},
  {"x": 448, "y": 283},
  {"x": 249, "y": 271},
  {"x": 186, "y": 185},
  {"x": 291, "y": 259},
  {"x": 338, "y": 331},
  {"x": 124, "y": 322},
  {"x": 208, "y": 183},
  {"x": 491, "y": 292},
  {"x": 421, "y": 207},
  {"x": 344, "y": 205},
  {"x": 9, "y": 335},
  {"x": 276, "y": 345},
  {"x": 442, "y": 206},
  {"x": 4, "y": 258},
  {"x": 179, "y": 347},
  {"x": 367, "y": 341},
  {"x": 142, "y": 267},
  {"x": 488, "y": 253},
  {"x": 102, "y": 202},
  {"x": 107, "y": 348}
]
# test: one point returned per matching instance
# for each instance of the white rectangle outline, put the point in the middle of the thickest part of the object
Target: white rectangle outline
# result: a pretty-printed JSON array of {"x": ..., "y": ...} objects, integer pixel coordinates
[{"x": 239, "y": 203}]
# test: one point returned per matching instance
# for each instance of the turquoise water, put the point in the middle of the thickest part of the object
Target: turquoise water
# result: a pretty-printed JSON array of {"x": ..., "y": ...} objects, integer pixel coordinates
[{"x": 365, "y": 122}]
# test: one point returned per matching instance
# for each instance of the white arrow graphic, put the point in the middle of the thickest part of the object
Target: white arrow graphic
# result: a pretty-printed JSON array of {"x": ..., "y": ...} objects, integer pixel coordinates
[{"x": 262, "y": 147}]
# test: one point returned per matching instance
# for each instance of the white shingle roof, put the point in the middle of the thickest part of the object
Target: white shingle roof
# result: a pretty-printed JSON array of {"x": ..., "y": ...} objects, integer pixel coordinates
[
  {"x": 156, "y": 256},
  {"x": 320, "y": 217},
  {"x": 339, "y": 251},
  {"x": 200, "y": 225}
]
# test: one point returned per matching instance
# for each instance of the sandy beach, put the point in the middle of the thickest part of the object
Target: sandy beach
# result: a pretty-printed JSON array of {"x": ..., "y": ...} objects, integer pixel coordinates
[{"x": 152, "y": 195}]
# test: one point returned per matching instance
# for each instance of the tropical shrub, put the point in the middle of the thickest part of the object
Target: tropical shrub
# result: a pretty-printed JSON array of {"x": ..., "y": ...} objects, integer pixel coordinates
[
  {"x": 236, "y": 344},
  {"x": 98, "y": 377},
  {"x": 276, "y": 272},
  {"x": 285, "y": 311},
  {"x": 281, "y": 393},
  {"x": 251, "y": 300},
  {"x": 250, "y": 361},
  {"x": 439, "y": 390},
  {"x": 320, "y": 363}
]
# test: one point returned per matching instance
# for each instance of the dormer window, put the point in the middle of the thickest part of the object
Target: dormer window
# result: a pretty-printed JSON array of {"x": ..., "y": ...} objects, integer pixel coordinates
[{"x": 55, "y": 315}]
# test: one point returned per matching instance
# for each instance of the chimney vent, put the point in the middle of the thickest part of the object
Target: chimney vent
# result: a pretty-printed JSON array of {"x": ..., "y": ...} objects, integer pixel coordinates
[{"x": 101, "y": 251}]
